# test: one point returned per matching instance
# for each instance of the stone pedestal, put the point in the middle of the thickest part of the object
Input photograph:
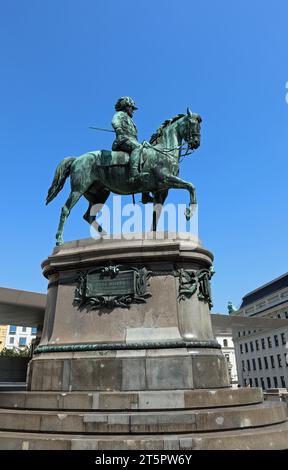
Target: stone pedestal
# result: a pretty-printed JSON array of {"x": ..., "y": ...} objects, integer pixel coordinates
[
  {"x": 128, "y": 359},
  {"x": 158, "y": 337}
]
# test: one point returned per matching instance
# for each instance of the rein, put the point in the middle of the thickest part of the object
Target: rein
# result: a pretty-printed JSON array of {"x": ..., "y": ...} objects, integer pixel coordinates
[{"x": 168, "y": 151}]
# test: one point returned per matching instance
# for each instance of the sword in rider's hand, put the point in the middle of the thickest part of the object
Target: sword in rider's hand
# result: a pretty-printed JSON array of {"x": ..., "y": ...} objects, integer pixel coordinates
[
  {"x": 101, "y": 129},
  {"x": 110, "y": 130}
]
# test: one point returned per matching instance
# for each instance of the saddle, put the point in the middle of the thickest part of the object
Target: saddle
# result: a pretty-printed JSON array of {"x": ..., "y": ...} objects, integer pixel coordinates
[
  {"x": 112, "y": 158},
  {"x": 116, "y": 158}
]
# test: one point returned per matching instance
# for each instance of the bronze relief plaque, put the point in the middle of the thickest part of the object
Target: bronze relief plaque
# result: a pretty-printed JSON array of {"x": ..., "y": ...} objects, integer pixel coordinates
[{"x": 111, "y": 286}]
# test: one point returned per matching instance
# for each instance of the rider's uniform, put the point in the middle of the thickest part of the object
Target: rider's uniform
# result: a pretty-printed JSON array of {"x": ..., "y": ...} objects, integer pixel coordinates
[
  {"x": 126, "y": 132},
  {"x": 127, "y": 140}
]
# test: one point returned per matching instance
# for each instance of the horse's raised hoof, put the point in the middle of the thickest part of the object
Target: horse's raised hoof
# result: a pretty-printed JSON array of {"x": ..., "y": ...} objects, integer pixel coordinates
[{"x": 188, "y": 213}]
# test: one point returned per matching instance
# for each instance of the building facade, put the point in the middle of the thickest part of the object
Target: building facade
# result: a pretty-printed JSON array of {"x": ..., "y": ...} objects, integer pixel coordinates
[
  {"x": 19, "y": 337},
  {"x": 227, "y": 345},
  {"x": 261, "y": 354},
  {"x": 3, "y": 332}
]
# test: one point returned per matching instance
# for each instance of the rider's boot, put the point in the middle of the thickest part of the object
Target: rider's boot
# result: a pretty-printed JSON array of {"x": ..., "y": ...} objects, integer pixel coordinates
[{"x": 134, "y": 175}]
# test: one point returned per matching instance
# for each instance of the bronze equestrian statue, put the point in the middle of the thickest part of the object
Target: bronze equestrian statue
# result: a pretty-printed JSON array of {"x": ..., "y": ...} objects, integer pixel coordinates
[{"x": 95, "y": 174}]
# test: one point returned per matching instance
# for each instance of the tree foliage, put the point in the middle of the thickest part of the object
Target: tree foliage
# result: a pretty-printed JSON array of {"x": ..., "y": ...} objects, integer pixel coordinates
[{"x": 16, "y": 352}]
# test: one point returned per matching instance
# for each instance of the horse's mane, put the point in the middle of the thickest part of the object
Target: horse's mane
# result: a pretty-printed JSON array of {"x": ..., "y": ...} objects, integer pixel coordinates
[{"x": 159, "y": 132}]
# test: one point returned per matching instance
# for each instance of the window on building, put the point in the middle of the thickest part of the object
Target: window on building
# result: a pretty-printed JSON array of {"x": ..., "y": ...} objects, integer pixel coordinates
[
  {"x": 272, "y": 362},
  {"x": 283, "y": 339},
  {"x": 241, "y": 348},
  {"x": 283, "y": 385},
  {"x": 263, "y": 343},
  {"x": 249, "y": 332},
  {"x": 268, "y": 382},
  {"x": 246, "y": 347},
  {"x": 227, "y": 357},
  {"x": 266, "y": 362},
  {"x": 24, "y": 329},
  {"x": 251, "y": 346},
  {"x": 22, "y": 341},
  {"x": 286, "y": 314},
  {"x": 269, "y": 342},
  {"x": 279, "y": 315},
  {"x": 239, "y": 334},
  {"x": 262, "y": 383},
  {"x": 275, "y": 382},
  {"x": 286, "y": 359},
  {"x": 279, "y": 360},
  {"x": 225, "y": 343},
  {"x": 250, "y": 382},
  {"x": 259, "y": 363},
  {"x": 34, "y": 331},
  {"x": 12, "y": 330},
  {"x": 248, "y": 365},
  {"x": 257, "y": 344},
  {"x": 11, "y": 340},
  {"x": 243, "y": 365},
  {"x": 276, "y": 341},
  {"x": 256, "y": 382}
]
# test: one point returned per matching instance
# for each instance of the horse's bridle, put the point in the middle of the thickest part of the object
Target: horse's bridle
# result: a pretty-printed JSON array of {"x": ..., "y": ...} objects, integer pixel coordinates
[
  {"x": 189, "y": 135},
  {"x": 189, "y": 140}
]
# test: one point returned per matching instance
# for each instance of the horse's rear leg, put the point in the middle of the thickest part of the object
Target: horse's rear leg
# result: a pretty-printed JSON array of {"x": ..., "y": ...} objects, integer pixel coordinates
[
  {"x": 96, "y": 202},
  {"x": 66, "y": 209},
  {"x": 87, "y": 216},
  {"x": 90, "y": 216}
]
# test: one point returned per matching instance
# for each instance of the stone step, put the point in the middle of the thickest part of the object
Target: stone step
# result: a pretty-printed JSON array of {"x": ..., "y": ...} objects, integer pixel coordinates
[
  {"x": 13, "y": 386},
  {"x": 136, "y": 422},
  {"x": 273, "y": 437},
  {"x": 138, "y": 400}
]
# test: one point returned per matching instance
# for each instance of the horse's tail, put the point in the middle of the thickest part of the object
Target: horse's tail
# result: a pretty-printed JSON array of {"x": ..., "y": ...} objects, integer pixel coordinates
[{"x": 62, "y": 172}]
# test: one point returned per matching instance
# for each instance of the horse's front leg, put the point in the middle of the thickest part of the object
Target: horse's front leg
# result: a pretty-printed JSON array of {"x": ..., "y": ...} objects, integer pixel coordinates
[
  {"x": 159, "y": 199},
  {"x": 177, "y": 183}
]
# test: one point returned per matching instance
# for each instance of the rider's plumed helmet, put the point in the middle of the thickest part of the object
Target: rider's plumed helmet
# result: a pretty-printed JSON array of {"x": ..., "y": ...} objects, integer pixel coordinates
[{"x": 123, "y": 102}]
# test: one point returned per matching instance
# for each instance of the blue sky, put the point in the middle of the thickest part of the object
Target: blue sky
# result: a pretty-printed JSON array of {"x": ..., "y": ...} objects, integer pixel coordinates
[{"x": 63, "y": 65}]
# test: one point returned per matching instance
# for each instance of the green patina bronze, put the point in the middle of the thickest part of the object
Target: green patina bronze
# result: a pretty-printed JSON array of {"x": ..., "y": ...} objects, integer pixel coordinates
[
  {"x": 192, "y": 281},
  {"x": 131, "y": 167},
  {"x": 112, "y": 286},
  {"x": 103, "y": 348},
  {"x": 231, "y": 308}
]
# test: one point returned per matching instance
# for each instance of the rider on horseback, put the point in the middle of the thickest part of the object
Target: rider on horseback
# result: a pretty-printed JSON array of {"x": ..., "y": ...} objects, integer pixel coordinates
[{"x": 126, "y": 139}]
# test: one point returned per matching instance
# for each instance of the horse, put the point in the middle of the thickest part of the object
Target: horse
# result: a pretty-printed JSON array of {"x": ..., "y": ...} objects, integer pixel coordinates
[{"x": 92, "y": 177}]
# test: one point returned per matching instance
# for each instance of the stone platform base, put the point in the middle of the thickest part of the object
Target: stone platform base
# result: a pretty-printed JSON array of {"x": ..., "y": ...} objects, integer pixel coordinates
[
  {"x": 142, "y": 420},
  {"x": 125, "y": 370},
  {"x": 128, "y": 358},
  {"x": 127, "y": 315}
]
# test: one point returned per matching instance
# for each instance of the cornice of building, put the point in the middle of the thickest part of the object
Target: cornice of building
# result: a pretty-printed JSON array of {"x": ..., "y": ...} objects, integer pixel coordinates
[{"x": 268, "y": 304}]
